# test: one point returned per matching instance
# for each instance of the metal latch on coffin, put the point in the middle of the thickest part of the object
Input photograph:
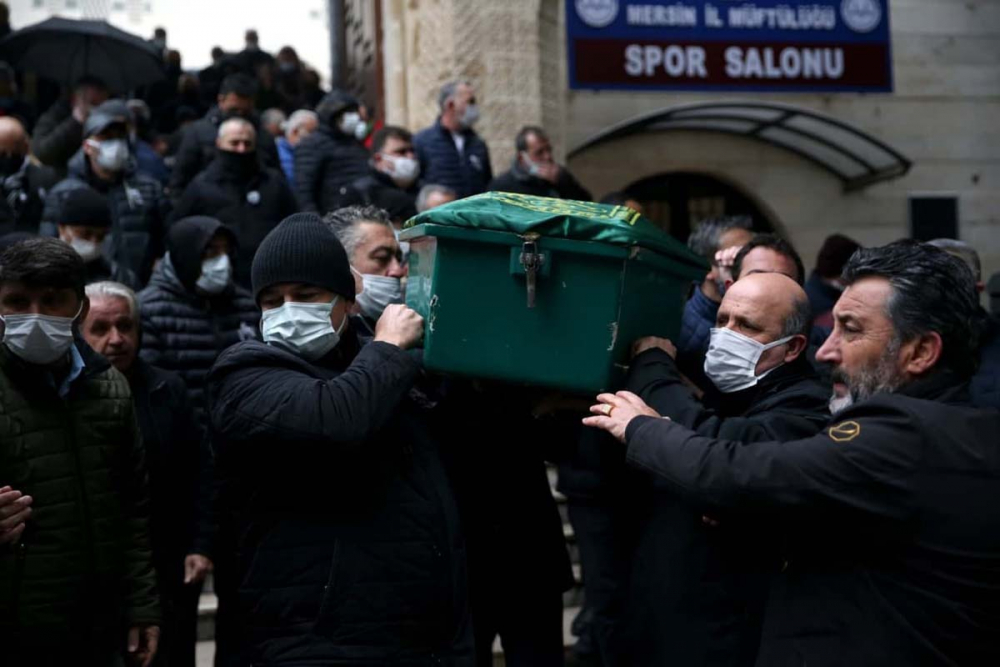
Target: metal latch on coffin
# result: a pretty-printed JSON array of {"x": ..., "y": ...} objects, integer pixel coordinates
[{"x": 532, "y": 263}]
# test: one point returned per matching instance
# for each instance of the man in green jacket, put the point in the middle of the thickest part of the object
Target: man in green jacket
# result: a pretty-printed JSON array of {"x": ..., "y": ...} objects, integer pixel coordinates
[{"x": 76, "y": 581}]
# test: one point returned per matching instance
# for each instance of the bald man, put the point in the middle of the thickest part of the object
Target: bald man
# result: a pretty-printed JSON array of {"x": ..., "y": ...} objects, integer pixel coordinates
[
  {"x": 696, "y": 592},
  {"x": 234, "y": 188},
  {"x": 24, "y": 184}
]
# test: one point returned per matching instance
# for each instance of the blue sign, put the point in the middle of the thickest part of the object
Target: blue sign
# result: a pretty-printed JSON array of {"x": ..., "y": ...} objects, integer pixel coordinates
[{"x": 761, "y": 45}]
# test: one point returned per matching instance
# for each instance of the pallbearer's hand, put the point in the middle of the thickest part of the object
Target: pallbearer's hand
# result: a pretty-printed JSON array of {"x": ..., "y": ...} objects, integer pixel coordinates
[
  {"x": 614, "y": 412},
  {"x": 400, "y": 326}
]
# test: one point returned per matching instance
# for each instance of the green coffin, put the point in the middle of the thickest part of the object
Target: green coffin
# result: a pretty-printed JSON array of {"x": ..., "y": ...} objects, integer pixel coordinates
[{"x": 543, "y": 291}]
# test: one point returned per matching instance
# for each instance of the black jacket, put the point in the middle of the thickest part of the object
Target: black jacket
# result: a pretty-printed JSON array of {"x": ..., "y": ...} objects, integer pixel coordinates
[
  {"x": 57, "y": 136},
  {"x": 378, "y": 189},
  {"x": 985, "y": 384},
  {"x": 511, "y": 520},
  {"x": 894, "y": 555},
  {"x": 185, "y": 332},
  {"x": 520, "y": 181},
  {"x": 326, "y": 163},
  {"x": 440, "y": 163},
  {"x": 696, "y": 593},
  {"x": 138, "y": 212},
  {"x": 179, "y": 463},
  {"x": 349, "y": 545},
  {"x": 197, "y": 150},
  {"x": 25, "y": 191},
  {"x": 249, "y": 204}
]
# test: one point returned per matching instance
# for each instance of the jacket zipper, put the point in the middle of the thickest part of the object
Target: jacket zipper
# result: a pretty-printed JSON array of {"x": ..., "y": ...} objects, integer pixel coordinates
[
  {"x": 19, "y": 557},
  {"x": 84, "y": 502}
]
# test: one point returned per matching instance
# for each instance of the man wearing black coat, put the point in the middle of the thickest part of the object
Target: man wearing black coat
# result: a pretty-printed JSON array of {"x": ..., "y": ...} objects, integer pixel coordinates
[
  {"x": 235, "y": 189},
  {"x": 349, "y": 541},
  {"x": 23, "y": 184},
  {"x": 60, "y": 129},
  {"x": 197, "y": 149},
  {"x": 391, "y": 182},
  {"x": 191, "y": 310},
  {"x": 179, "y": 463},
  {"x": 893, "y": 530},
  {"x": 535, "y": 171},
  {"x": 105, "y": 163},
  {"x": 332, "y": 157},
  {"x": 696, "y": 592},
  {"x": 450, "y": 151}
]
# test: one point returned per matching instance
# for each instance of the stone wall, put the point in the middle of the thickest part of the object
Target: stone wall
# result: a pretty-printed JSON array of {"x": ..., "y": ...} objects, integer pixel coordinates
[{"x": 511, "y": 51}]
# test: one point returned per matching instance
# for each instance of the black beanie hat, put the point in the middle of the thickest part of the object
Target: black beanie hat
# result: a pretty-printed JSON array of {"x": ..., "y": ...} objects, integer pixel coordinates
[
  {"x": 302, "y": 250},
  {"x": 84, "y": 206},
  {"x": 186, "y": 243},
  {"x": 836, "y": 250}
]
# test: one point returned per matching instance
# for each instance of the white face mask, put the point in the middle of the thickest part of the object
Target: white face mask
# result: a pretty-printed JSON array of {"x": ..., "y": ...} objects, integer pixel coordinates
[
  {"x": 302, "y": 328},
  {"x": 39, "y": 339},
  {"x": 378, "y": 292},
  {"x": 404, "y": 170},
  {"x": 731, "y": 362},
  {"x": 215, "y": 275},
  {"x": 87, "y": 250},
  {"x": 112, "y": 154},
  {"x": 470, "y": 116},
  {"x": 349, "y": 123}
]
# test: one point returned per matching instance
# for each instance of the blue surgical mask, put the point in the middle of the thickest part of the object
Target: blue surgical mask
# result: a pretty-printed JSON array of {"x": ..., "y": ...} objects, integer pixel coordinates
[
  {"x": 39, "y": 339},
  {"x": 377, "y": 293},
  {"x": 302, "y": 328}
]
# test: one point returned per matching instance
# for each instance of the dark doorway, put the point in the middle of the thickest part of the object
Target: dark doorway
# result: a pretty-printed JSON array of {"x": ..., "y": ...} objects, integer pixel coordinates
[{"x": 678, "y": 201}]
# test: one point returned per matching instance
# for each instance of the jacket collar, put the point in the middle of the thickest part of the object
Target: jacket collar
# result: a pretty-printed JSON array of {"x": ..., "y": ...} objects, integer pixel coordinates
[
  {"x": 467, "y": 132},
  {"x": 943, "y": 386}
]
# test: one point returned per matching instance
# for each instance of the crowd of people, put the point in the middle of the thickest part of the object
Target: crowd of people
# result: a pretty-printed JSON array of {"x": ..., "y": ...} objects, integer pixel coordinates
[{"x": 207, "y": 368}]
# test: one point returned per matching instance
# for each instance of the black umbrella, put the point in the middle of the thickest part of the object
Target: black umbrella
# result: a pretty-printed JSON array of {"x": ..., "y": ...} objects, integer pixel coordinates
[{"x": 66, "y": 49}]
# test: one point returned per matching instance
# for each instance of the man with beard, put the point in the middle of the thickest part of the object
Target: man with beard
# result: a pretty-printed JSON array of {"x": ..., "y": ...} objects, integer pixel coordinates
[
  {"x": 248, "y": 198},
  {"x": 23, "y": 184},
  {"x": 894, "y": 547}
]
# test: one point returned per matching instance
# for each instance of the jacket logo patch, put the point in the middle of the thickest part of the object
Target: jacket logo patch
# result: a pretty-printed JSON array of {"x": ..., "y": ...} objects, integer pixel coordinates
[{"x": 845, "y": 432}]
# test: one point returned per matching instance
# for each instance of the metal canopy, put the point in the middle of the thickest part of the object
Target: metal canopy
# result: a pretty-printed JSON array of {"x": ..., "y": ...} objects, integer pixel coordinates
[{"x": 855, "y": 157}]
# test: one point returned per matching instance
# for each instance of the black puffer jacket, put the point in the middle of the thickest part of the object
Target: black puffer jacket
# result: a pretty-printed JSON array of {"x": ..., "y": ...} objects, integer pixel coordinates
[
  {"x": 197, "y": 150},
  {"x": 326, "y": 163},
  {"x": 185, "y": 332},
  {"x": 250, "y": 204},
  {"x": 349, "y": 545},
  {"x": 138, "y": 212}
]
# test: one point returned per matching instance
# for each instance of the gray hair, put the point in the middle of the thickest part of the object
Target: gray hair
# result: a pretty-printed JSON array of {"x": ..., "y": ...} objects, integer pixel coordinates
[
  {"x": 432, "y": 189},
  {"x": 449, "y": 89},
  {"x": 272, "y": 115},
  {"x": 235, "y": 122},
  {"x": 108, "y": 289},
  {"x": 299, "y": 118},
  {"x": 962, "y": 251},
  {"x": 705, "y": 238},
  {"x": 345, "y": 224},
  {"x": 799, "y": 321}
]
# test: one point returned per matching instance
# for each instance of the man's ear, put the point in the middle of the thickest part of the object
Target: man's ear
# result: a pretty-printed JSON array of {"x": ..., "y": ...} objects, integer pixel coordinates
[
  {"x": 796, "y": 347},
  {"x": 922, "y": 354},
  {"x": 62, "y": 230}
]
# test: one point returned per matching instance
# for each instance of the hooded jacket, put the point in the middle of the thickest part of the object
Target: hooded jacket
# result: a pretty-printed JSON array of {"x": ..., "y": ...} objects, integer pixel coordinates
[
  {"x": 327, "y": 161},
  {"x": 248, "y": 199},
  {"x": 182, "y": 330},
  {"x": 197, "y": 150},
  {"x": 349, "y": 550},
  {"x": 138, "y": 212}
]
